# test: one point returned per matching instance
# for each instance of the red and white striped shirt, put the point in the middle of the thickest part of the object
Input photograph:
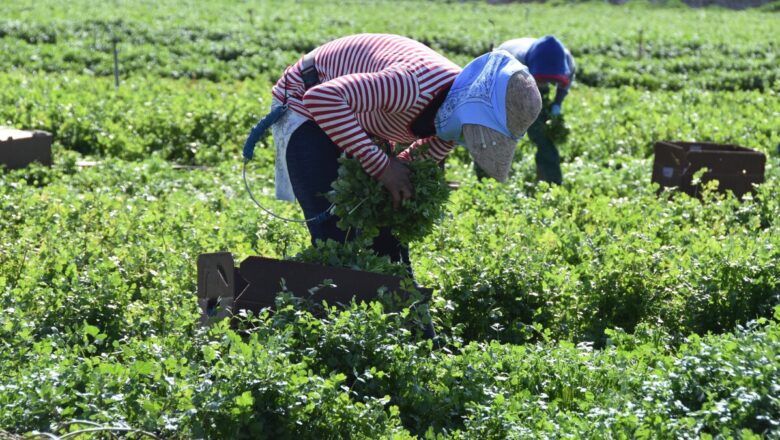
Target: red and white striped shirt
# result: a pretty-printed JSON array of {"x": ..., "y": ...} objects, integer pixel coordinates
[{"x": 370, "y": 83}]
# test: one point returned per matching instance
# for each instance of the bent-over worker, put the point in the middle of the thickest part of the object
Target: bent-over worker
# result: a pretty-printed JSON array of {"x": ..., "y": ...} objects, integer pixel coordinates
[
  {"x": 354, "y": 89},
  {"x": 550, "y": 63}
]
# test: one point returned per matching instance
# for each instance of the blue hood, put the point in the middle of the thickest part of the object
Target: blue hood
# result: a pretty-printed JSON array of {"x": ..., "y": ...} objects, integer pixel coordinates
[{"x": 547, "y": 57}]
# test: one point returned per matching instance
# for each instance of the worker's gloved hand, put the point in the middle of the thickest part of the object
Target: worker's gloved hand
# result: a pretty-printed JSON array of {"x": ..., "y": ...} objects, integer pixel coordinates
[
  {"x": 396, "y": 179},
  {"x": 555, "y": 110}
]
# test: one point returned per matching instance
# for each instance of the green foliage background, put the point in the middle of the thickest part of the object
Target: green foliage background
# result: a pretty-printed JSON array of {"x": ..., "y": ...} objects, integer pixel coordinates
[{"x": 595, "y": 309}]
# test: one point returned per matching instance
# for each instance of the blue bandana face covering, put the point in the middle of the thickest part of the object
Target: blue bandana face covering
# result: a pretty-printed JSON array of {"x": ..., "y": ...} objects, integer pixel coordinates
[{"x": 478, "y": 96}]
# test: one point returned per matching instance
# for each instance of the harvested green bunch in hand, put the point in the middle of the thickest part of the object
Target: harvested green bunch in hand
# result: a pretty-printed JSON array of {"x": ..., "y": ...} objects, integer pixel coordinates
[
  {"x": 355, "y": 255},
  {"x": 554, "y": 125},
  {"x": 362, "y": 203},
  {"x": 556, "y": 130}
]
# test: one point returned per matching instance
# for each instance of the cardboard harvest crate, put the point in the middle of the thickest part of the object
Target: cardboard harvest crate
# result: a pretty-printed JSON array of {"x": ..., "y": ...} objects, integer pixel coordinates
[
  {"x": 735, "y": 168},
  {"x": 19, "y": 148},
  {"x": 224, "y": 290}
]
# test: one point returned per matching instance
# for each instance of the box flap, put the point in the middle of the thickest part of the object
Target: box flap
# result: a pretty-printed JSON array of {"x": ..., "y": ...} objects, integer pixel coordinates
[{"x": 7, "y": 133}]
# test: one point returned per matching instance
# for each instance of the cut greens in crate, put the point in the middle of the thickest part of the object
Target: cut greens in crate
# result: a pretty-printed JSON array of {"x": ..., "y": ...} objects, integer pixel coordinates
[
  {"x": 363, "y": 204},
  {"x": 356, "y": 255}
]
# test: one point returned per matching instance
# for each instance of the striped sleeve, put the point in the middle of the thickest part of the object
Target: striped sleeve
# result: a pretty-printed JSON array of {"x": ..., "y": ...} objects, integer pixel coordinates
[
  {"x": 437, "y": 150},
  {"x": 333, "y": 106},
  {"x": 289, "y": 87}
]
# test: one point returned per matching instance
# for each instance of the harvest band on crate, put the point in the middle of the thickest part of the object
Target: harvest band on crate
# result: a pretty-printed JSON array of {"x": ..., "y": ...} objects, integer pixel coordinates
[
  {"x": 550, "y": 63},
  {"x": 354, "y": 89}
]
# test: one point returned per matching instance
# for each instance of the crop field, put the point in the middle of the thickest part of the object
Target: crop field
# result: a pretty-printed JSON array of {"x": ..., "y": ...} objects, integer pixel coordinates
[{"x": 594, "y": 309}]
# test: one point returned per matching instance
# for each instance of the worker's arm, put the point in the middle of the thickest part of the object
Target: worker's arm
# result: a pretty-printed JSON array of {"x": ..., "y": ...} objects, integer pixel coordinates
[
  {"x": 561, "y": 91},
  {"x": 333, "y": 106},
  {"x": 437, "y": 149},
  {"x": 560, "y": 94}
]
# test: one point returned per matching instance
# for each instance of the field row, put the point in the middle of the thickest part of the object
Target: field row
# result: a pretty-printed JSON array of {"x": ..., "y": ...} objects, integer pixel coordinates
[
  {"x": 602, "y": 251},
  {"x": 612, "y": 46},
  {"x": 254, "y": 61},
  {"x": 205, "y": 123},
  {"x": 592, "y": 27}
]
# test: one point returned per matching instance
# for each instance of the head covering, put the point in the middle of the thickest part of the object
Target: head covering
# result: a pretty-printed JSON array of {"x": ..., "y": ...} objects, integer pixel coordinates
[
  {"x": 491, "y": 104},
  {"x": 547, "y": 60}
]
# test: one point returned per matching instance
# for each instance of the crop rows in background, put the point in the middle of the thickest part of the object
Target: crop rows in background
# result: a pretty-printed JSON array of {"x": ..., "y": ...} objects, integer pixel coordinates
[
  {"x": 203, "y": 122},
  {"x": 718, "y": 50}
]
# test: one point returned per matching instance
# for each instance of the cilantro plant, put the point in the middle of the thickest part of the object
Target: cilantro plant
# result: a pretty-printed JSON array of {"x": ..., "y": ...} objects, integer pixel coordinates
[
  {"x": 355, "y": 254},
  {"x": 362, "y": 203}
]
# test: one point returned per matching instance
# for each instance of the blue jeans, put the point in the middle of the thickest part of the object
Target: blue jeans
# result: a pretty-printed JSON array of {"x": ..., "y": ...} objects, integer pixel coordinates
[
  {"x": 548, "y": 160},
  {"x": 312, "y": 162}
]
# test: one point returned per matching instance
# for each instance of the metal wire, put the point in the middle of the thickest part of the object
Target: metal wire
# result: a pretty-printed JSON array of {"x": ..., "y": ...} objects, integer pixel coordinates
[{"x": 269, "y": 212}]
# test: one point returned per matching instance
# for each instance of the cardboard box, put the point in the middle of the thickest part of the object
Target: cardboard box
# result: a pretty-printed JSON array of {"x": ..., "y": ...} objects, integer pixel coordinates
[
  {"x": 736, "y": 168},
  {"x": 224, "y": 290},
  {"x": 19, "y": 148}
]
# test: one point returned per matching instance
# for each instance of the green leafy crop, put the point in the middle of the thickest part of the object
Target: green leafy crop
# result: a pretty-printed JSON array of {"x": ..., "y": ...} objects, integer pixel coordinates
[
  {"x": 362, "y": 203},
  {"x": 555, "y": 127},
  {"x": 352, "y": 255},
  {"x": 592, "y": 309}
]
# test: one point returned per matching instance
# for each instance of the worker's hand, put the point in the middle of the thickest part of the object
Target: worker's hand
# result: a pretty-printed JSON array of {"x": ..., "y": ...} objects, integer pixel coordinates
[
  {"x": 405, "y": 156},
  {"x": 555, "y": 110},
  {"x": 396, "y": 179}
]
